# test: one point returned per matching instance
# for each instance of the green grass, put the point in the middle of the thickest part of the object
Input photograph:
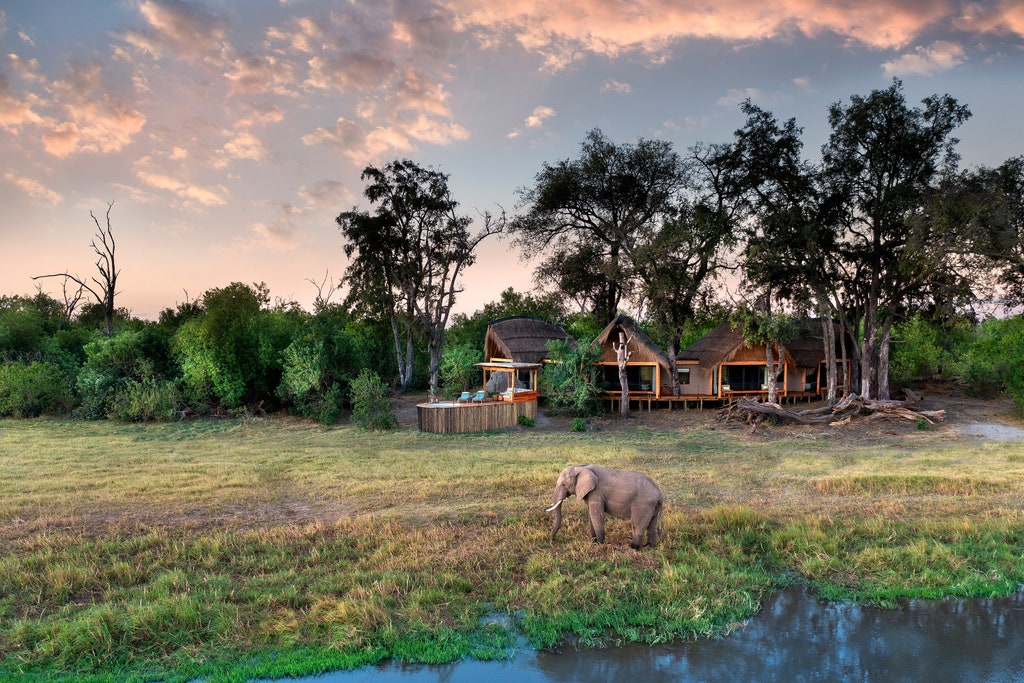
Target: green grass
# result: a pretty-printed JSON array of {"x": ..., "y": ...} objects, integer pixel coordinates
[{"x": 266, "y": 548}]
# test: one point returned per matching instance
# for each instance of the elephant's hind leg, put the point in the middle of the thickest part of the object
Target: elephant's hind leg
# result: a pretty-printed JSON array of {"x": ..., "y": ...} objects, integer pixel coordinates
[{"x": 654, "y": 527}]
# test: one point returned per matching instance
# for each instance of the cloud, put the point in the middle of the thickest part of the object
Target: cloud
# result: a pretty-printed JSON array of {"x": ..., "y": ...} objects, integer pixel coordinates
[
  {"x": 328, "y": 193},
  {"x": 34, "y": 189},
  {"x": 611, "y": 86},
  {"x": 927, "y": 61},
  {"x": 277, "y": 236},
  {"x": 253, "y": 74},
  {"x": 15, "y": 109},
  {"x": 1003, "y": 16},
  {"x": 534, "y": 120},
  {"x": 735, "y": 96},
  {"x": 389, "y": 62},
  {"x": 244, "y": 145},
  {"x": 95, "y": 120},
  {"x": 345, "y": 134},
  {"x": 176, "y": 28},
  {"x": 563, "y": 33},
  {"x": 188, "y": 192},
  {"x": 27, "y": 70},
  {"x": 804, "y": 84}
]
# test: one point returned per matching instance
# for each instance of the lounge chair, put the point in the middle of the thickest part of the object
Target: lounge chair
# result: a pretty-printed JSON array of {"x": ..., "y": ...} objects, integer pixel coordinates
[
  {"x": 479, "y": 396},
  {"x": 464, "y": 397}
]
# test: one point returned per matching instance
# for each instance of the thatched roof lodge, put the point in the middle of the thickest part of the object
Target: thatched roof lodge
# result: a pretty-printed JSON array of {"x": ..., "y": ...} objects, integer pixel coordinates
[
  {"x": 720, "y": 364},
  {"x": 521, "y": 339},
  {"x": 648, "y": 371}
]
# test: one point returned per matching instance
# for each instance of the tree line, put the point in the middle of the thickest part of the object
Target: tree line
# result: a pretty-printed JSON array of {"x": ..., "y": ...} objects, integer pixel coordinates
[{"x": 884, "y": 233}]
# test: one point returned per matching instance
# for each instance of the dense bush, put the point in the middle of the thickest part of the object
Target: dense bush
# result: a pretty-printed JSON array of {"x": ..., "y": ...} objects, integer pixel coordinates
[
  {"x": 569, "y": 382},
  {"x": 148, "y": 400},
  {"x": 916, "y": 352},
  {"x": 994, "y": 361},
  {"x": 110, "y": 363},
  {"x": 32, "y": 389},
  {"x": 371, "y": 406},
  {"x": 459, "y": 370}
]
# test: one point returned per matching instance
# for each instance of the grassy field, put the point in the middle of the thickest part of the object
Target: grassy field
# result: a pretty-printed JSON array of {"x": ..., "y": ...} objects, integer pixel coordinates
[{"x": 236, "y": 549}]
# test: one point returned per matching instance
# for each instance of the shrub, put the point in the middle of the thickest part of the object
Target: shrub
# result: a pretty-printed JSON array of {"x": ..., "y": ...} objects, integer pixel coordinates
[
  {"x": 570, "y": 381},
  {"x": 110, "y": 363},
  {"x": 146, "y": 401},
  {"x": 578, "y": 424},
  {"x": 526, "y": 421},
  {"x": 371, "y": 406},
  {"x": 995, "y": 360},
  {"x": 917, "y": 353},
  {"x": 31, "y": 389},
  {"x": 458, "y": 370}
]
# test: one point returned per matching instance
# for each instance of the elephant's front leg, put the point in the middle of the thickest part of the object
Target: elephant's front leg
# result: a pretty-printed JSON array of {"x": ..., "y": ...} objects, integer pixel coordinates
[{"x": 596, "y": 510}]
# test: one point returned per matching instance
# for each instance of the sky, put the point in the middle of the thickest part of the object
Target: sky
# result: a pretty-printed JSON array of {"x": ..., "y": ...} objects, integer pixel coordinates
[{"x": 230, "y": 134}]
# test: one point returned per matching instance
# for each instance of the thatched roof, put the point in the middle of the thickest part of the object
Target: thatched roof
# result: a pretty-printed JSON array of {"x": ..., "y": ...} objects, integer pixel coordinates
[
  {"x": 808, "y": 349},
  {"x": 724, "y": 342},
  {"x": 643, "y": 348},
  {"x": 522, "y": 339},
  {"x": 713, "y": 348}
]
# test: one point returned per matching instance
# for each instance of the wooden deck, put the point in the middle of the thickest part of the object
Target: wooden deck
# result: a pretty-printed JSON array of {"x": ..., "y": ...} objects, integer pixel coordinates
[
  {"x": 452, "y": 417},
  {"x": 648, "y": 401}
]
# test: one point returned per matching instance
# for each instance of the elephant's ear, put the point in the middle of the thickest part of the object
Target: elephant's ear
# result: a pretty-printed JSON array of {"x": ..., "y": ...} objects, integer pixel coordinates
[{"x": 586, "y": 481}]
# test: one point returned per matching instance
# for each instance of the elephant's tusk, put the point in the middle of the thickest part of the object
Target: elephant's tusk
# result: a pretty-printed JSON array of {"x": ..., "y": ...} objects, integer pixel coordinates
[{"x": 555, "y": 505}]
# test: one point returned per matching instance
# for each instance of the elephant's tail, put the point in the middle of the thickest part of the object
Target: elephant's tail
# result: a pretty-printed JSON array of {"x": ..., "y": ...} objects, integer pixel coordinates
[{"x": 658, "y": 515}]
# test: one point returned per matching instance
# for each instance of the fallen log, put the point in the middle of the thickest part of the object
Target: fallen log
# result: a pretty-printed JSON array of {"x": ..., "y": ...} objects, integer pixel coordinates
[{"x": 753, "y": 411}]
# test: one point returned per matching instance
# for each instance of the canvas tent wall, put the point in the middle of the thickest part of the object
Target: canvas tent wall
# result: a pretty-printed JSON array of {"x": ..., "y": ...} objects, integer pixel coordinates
[{"x": 648, "y": 370}]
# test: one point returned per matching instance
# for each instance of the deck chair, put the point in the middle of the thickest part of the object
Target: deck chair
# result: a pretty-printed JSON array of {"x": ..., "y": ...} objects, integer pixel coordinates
[
  {"x": 464, "y": 397},
  {"x": 479, "y": 396}
]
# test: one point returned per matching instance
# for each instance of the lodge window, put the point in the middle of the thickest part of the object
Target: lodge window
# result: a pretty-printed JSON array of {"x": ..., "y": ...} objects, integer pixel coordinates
[
  {"x": 638, "y": 377},
  {"x": 744, "y": 377},
  {"x": 684, "y": 376}
]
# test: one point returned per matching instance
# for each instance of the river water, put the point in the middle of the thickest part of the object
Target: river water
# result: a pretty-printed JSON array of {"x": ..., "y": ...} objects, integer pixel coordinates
[{"x": 795, "y": 638}]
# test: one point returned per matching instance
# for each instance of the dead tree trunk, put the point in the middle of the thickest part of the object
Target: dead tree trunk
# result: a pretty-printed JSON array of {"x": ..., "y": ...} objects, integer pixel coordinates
[
  {"x": 840, "y": 414},
  {"x": 622, "y": 355},
  {"x": 108, "y": 272}
]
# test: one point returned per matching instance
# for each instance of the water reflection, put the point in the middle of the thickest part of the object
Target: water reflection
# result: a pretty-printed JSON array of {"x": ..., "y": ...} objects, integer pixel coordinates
[{"x": 795, "y": 638}]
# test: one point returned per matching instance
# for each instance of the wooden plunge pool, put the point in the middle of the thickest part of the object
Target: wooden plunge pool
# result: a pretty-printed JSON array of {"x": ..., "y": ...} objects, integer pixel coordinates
[{"x": 451, "y": 417}]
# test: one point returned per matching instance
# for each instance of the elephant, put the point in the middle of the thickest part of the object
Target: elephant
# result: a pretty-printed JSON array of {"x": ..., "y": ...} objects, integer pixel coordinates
[{"x": 620, "y": 493}]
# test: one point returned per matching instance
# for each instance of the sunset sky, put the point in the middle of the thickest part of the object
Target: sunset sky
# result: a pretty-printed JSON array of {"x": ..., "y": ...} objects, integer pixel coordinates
[{"x": 230, "y": 134}]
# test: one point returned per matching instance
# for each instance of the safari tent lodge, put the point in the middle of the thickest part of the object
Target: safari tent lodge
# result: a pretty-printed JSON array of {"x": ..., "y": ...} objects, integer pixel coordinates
[{"x": 722, "y": 366}]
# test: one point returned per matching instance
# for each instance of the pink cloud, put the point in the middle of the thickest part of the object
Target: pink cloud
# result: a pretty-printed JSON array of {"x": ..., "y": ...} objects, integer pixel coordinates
[
  {"x": 252, "y": 74},
  {"x": 34, "y": 189},
  {"x": 1005, "y": 16},
  {"x": 95, "y": 120},
  {"x": 562, "y": 32},
  {"x": 927, "y": 61},
  {"x": 178, "y": 28},
  {"x": 15, "y": 109}
]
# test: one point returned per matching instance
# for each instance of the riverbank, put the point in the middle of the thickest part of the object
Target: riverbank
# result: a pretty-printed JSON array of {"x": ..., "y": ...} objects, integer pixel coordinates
[{"x": 237, "y": 549}]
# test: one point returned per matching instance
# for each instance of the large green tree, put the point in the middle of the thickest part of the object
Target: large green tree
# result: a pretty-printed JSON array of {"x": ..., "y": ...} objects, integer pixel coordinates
[
  {"x": 676, "y": 261},
  {"x": 881, "y": 163},
  {"x": 407, "y": 256},
  {"x": 788, "y": 257},
  {"x": 592, "y": 210},
  {"x": 987, "y": 204}
]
